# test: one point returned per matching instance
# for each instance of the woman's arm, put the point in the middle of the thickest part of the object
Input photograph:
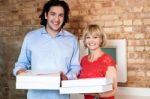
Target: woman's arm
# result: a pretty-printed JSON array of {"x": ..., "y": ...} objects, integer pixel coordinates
[{"x": 112, "y": 73}]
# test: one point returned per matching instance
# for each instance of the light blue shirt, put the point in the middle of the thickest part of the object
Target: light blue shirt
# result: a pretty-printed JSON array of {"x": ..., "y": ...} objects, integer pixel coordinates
[{"x": 45, "y": 54}]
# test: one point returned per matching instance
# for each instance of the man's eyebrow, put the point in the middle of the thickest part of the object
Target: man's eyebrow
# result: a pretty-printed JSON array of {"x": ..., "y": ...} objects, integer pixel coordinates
[
  {"x": 54, "y": 12},
  {"x": 51, "y": 12}
]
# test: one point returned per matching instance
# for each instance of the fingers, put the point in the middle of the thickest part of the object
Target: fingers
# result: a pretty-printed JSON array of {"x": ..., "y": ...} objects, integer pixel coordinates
[
  {"x": 63, "y": 76},
  {"x": 21, "y": 71}
]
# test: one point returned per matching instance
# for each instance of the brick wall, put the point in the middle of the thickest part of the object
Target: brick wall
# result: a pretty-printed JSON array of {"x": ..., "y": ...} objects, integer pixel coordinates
[{"x": 120, "y": 19}]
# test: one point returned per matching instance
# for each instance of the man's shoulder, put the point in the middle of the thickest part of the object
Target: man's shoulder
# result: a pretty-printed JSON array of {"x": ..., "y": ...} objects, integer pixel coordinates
[
  {"x": 37, "y": 31},
  {"x": 67, "y": 33}
]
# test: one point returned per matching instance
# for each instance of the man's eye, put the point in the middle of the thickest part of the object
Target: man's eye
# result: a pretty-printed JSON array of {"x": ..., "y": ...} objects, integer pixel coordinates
[
  {"x": 52, "y": 13},
  {"x": 61, "y": 15}
]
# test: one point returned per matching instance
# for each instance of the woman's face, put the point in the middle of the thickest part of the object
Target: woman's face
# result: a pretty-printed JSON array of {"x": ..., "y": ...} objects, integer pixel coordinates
[{"x": 93, "y": 42}]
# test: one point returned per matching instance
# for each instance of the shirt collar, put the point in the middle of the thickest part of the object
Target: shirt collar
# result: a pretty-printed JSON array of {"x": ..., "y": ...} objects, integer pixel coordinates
[{"x": 61, "y": 32}]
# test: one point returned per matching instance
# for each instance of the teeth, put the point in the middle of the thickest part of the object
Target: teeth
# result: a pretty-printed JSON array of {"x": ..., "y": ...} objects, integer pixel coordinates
[
  {"x": 55, "y": 23},
  {"x": 91, "y": 44}
]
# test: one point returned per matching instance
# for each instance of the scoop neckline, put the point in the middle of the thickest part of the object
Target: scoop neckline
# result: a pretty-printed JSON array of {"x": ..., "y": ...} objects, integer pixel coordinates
[{"x": 96, "y": 59}]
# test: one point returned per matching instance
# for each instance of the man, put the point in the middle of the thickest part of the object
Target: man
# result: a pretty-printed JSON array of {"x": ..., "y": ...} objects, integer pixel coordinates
[{"x": 50, "y": 49}]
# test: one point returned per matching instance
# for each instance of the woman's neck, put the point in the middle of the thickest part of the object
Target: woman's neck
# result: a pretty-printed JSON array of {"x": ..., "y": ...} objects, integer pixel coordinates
[{"x": 94, "y": 55}]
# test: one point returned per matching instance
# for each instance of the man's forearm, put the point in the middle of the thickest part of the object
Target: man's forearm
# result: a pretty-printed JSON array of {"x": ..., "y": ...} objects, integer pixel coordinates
[{"x": 22, "y": 70}]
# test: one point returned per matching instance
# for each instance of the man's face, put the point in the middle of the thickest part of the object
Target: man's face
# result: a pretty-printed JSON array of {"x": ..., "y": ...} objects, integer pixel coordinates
[{"x": 55, "y": 18}]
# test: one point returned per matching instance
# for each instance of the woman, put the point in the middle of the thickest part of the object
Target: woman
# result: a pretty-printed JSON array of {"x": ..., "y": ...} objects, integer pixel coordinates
[{"x": 97, "y": 63}]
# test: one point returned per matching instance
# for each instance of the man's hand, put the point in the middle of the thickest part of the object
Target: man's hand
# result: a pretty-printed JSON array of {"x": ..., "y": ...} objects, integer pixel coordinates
[
  {"x": 63, "y": 76},
  {"x": 21, "y": 71}
]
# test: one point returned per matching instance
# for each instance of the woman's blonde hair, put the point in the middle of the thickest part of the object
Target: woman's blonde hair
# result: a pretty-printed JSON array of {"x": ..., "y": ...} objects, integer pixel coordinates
[{"x": 94, "y": 29}]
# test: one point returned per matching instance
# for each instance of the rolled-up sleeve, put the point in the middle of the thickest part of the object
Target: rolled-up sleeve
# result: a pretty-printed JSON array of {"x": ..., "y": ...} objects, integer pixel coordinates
[{"x": 24, "y": 59}]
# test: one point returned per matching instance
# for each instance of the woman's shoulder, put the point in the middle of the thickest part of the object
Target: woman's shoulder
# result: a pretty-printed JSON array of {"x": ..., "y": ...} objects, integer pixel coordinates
[
  {"x": 108, "y": 59},
  {"x": 84, "y": 57},
  {"x": 107, "y": 56}
]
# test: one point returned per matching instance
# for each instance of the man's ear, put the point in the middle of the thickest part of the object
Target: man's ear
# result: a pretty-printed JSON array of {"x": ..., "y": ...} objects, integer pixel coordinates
[{"x": 45, "y": 15}]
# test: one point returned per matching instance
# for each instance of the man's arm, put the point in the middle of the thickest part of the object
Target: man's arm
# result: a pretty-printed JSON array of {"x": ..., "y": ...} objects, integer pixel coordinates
[
  {"x": 75, "y": 67},
  {"x": 24, "y": 59}
]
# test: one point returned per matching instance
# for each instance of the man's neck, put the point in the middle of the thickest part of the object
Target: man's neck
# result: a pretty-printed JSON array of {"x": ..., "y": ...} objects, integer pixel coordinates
[{"x": 52, "y": 33}]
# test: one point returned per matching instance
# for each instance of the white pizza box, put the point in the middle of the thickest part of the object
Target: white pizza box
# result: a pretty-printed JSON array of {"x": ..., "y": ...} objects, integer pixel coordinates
[
  {"x": 85, "y": 89},
  {"x": 87, "y": 82},
  {"x": 50, "y": 81}
]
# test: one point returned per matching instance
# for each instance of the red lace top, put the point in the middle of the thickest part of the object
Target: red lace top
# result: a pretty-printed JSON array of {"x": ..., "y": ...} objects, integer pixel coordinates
[{"x": 95, "y": 69}]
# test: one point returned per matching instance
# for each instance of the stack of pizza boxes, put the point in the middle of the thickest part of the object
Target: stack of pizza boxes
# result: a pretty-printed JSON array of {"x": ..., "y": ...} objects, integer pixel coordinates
[
  {"x": 50, "y": 81},
  {"x": 88, "y": 85}
]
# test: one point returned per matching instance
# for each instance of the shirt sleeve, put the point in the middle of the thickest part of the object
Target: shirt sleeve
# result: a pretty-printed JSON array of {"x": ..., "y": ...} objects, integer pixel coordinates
[
  {"x": 74, "y": 64},
  {"x": 24, "y": 59}
]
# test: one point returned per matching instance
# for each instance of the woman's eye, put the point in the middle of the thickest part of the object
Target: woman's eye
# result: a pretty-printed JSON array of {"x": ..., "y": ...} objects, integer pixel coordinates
[
  {"x": 96, "y": 37},
  {"x": 87, "y": 37}
]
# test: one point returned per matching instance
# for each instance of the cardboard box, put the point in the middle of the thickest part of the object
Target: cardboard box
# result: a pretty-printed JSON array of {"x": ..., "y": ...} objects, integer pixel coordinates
[
  {"x": 30, "y": 80},
  {"x": 88, "y": 85},
  {"x": 85, "y": 89},
  {"x": 87, "y": 82}
]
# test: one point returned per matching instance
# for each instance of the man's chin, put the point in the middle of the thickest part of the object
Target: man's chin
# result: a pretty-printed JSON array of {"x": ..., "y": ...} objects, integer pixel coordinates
[{"x": 57, "y": 29}]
